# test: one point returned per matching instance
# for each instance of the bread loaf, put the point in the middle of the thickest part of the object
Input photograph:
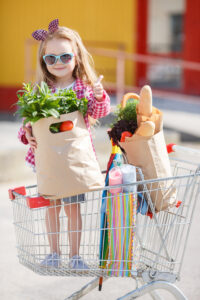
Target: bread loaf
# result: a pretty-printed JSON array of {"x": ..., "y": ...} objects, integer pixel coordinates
[
  {"x": 146, "y": 128},
  {"x": 145, "y": 104}
]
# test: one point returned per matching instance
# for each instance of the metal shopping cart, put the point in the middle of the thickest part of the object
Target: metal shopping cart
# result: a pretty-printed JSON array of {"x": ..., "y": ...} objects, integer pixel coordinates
[{"x": 157, "y": 240}]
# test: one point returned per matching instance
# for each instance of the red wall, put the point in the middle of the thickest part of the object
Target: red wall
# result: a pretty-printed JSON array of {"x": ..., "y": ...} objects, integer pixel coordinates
[
  {"x": 192, "y": 46},
  {"x": 141, "y": 48},
  {"x": 8, "y": 98}
]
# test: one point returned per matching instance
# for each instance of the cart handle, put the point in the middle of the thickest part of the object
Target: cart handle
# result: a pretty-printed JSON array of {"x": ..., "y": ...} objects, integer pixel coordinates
[
  {"x": 19, "y": 190},
  {"x": 176, "y": 148}
]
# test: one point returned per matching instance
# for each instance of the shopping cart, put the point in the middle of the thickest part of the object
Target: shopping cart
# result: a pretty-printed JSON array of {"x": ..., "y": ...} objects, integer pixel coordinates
[{"x": 158, "y": 239}]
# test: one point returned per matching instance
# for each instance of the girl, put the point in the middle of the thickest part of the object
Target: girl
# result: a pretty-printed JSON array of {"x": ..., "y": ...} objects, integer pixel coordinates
[{"x": 63, "y": 62}]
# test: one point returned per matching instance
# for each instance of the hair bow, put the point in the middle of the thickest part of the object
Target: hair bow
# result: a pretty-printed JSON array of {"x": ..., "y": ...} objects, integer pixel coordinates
[{"x": 41, "y": 34}]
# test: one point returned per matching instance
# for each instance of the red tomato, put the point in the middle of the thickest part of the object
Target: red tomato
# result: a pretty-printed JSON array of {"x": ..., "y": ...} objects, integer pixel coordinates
[
  {"x": 66, "y": 126},
  {"x": 124, "y": 134}
]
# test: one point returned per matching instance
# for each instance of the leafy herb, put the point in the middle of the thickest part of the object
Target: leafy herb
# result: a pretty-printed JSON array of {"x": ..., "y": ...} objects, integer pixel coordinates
[
  {"x": 55, "y": 128},
  {"x": 125, "y": 120},
  {"x": 127, "y": 113},
  {"x": 40, "y": 102}
]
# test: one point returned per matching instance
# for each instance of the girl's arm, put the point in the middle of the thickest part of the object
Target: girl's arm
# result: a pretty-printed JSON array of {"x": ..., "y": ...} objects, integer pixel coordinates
[
  {"x": 22, "y": 136},
  {"x": 25, "y": 136},
  {"x": 97, "y": 108}
]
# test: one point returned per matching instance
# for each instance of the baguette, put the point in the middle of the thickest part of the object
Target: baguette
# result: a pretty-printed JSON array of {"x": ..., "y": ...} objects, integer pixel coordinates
[
  {"x": 145, "y": 104},
  {"x": 146, "y": 128}
]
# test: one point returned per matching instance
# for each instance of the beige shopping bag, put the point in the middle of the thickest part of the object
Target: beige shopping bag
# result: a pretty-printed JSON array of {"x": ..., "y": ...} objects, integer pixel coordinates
[
  {"x": 149, "y": 152},
  {"x": 66, "y": 164}
]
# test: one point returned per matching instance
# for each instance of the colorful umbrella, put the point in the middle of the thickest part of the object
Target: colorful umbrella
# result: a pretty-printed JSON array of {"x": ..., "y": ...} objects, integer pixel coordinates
[
  {"x": 121, "y": 216},
  {"x": 103, "y": 253},
  {"x": 115, "y": 155},
  {"x": 117, "y": 220}
]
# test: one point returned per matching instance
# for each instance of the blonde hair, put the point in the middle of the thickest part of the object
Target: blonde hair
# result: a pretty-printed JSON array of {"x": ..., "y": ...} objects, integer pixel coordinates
[{"x": 84, "y": 68}]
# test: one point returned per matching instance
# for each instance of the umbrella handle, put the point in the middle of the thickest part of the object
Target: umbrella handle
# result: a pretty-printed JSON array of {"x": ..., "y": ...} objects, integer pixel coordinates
[{"x": 127, "y": 97}]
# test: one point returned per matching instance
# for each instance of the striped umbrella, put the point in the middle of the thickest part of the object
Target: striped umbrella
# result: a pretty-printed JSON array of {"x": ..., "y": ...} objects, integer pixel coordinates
[
  {"x": 116, "y": 154},
  {"x": 118, "y": 213}
]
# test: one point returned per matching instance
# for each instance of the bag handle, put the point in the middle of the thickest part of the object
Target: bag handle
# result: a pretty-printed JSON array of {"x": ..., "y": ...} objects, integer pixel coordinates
[{"x": 127, "y": 97}]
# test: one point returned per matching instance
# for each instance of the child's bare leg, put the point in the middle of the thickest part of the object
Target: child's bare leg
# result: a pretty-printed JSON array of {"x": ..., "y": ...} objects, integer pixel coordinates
[
  {"x": 53, "y": 225},
  {"x": 74, "y": 227}
]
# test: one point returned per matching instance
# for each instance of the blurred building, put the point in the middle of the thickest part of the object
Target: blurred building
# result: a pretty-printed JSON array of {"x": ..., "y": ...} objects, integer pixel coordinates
[
  {"x": 158, "y": 28},
  {"x": 170, "y": 29}
]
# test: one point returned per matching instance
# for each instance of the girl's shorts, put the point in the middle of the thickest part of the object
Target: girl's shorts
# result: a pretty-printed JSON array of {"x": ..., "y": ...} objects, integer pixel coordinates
[{"x": 74, "y": 199}]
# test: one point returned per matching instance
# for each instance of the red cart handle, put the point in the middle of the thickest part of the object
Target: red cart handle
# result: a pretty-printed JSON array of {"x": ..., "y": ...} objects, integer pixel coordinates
[
  {"x": 182, "y": 149},
  {"x": 20, "y": 190},
  {"x": 170, "y": 148},
  {"x": 32, "y": 202}
]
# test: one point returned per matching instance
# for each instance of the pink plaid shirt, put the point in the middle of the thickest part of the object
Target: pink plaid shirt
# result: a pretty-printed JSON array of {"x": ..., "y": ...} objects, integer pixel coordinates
[{"x": 96, "y": 109}]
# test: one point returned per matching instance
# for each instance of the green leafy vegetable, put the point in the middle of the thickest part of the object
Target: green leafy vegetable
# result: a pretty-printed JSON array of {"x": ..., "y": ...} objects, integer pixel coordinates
[
  {"x": 125, "y": 120},
  {"x": 128, "y": 113},
  {"x": 39, "y": 102}
]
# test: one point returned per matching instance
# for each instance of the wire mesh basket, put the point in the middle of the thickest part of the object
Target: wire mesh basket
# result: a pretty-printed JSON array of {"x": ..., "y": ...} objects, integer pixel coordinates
[{"x": 156, "y": 240}]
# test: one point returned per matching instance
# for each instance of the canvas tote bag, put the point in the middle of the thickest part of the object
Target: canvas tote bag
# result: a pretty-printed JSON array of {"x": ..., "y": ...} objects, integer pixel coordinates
[
  {"x": 66, "y": 164},
  {"x": 150, "y": 154}
]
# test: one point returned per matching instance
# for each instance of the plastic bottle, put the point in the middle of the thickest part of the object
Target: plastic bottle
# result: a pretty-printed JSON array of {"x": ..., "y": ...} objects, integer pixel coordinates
[
  {"x": 128, "y": 176},
  {"x": 115, "y": 178}
]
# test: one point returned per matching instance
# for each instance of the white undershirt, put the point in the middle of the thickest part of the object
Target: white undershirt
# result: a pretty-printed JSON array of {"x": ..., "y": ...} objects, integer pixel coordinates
[{"x": 67, "y": 87}]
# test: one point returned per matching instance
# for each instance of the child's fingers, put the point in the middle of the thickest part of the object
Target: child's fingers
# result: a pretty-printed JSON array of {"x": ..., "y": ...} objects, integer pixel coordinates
[
  {"x": 27, "y": 130},
  {"x": 98, "y": 82},
  {"x": 33, "y": 149},
  {"x": 98, "y": 88},
  {"x": 33, "y": 142},
  {"x": 99, "y": 79}
]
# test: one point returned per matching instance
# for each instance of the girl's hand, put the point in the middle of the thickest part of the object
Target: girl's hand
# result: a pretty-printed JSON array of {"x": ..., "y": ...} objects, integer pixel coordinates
[
  {"x": 98, "y": 89},
  {"x": 30, "y": 138}
]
